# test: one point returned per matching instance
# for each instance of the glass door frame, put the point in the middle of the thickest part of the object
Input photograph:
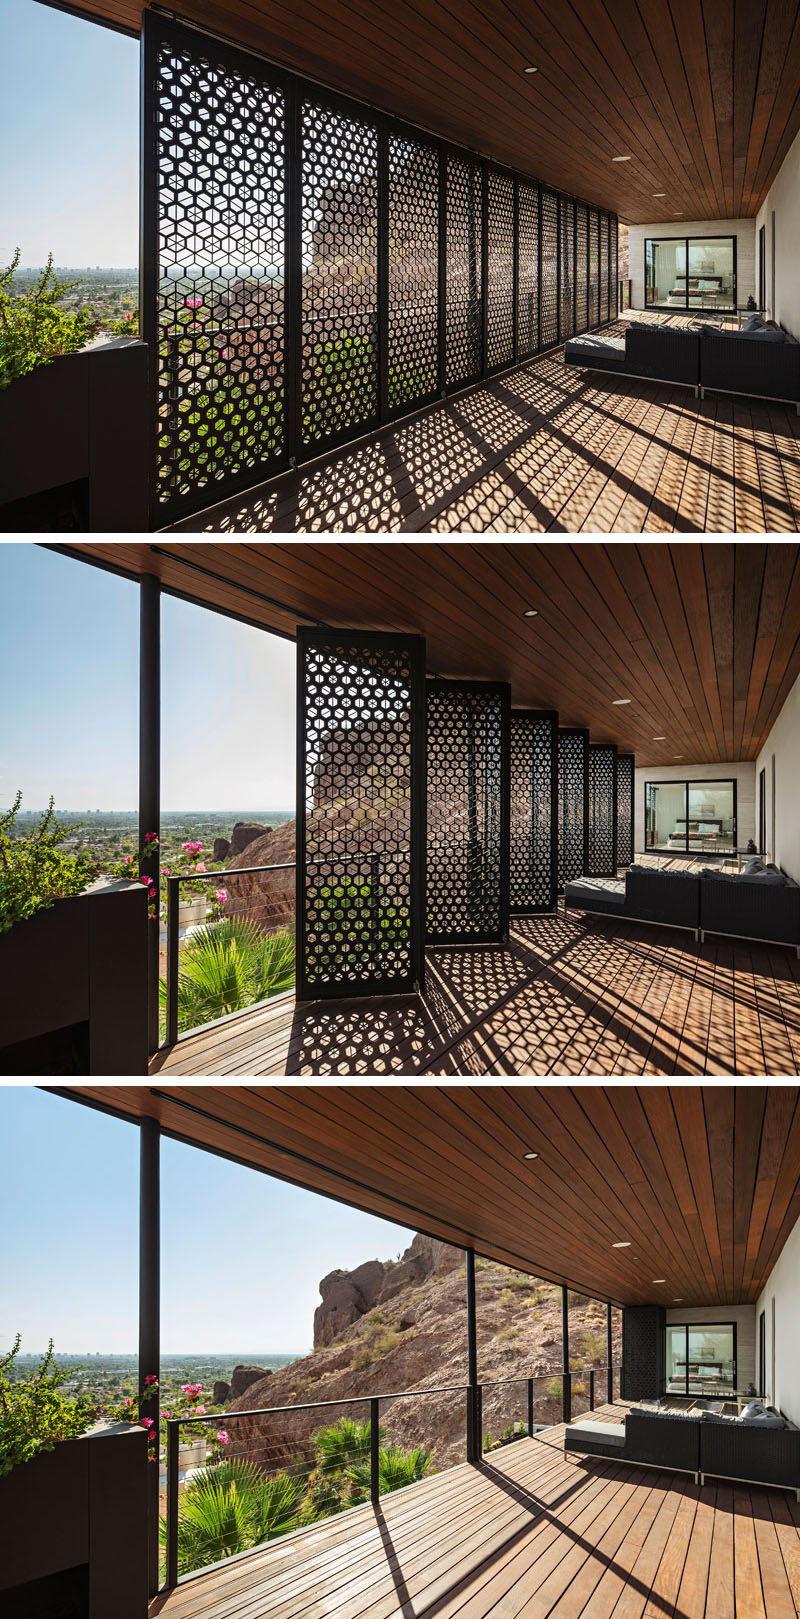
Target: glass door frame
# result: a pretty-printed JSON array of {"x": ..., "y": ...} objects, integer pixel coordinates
[
  {"x": 700, "y": 1326},
  {"x": 686, "y": 307},
  {"x": 687, "y": 783}
]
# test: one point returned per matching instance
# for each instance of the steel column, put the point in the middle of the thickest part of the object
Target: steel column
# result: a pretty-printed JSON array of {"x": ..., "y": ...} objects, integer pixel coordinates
[
  {"x": 609, "y": 1355},
  {"x": 374, "y": 1452},
  {"x": 530, "y": 1406},
  {"x": 150, "y": 772},
  {"x": 566, "y": 1379},
  {"x": 150, "y": 1312},
  {"x": 473, "y": 1449},
  {"x": 591, "y": 1390}
]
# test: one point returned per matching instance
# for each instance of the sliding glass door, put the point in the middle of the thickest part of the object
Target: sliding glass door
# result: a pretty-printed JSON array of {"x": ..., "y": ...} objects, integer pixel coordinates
[
  {"x": 690, "y": 817},
  {"x": 690, "y": 272},
  {"x": 701, "y": 1359}
]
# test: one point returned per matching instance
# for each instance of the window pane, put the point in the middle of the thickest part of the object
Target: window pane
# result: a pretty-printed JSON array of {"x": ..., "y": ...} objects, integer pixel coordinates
[
  {"x": 666, "y": 816},
  {"x": 676, "y": 1360},
  {"x": 665, "y": 273},
  {"x": 711, "y": 273},
  {"x": 712, "y": 827},
  {"x": 711, "y": 1360}
]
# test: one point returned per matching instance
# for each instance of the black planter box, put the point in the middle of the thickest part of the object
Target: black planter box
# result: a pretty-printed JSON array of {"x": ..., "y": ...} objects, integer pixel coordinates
[
  {"x": 74, "y": 980},
  {"x": 74, "y": 1525},
  {"x": 80, "y": 421}
]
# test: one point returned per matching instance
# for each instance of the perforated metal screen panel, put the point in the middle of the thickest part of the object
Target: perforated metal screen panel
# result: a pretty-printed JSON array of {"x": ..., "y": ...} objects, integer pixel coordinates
[
  {"x": 339, "y": 333},
  {"x": 528, "y": 270},
  {"x": 413, "y": 271},
  {"x": 468, "y": 815},
  {"x": 604, "y": 267},
  {"x": 614, "y": 252},
  {"x": 626, "y": 769},
  {"x": 360, "y": 813},
  {"x": 567, "y": 274},
  {"x": 602, "y": 810},
  {"x": 533, "y": 884},
  {"x": 312, "y": 268},
  {"x": 500, "y": 268},
  {"x": 581, "y": 268},
  {"x": 464, "y": 302},
  {"x": 573, "y": 805},
  {"x": 549, "y": 308},
  {"x": 213, "y": 267},
  {"x": 594, "y": 269}
]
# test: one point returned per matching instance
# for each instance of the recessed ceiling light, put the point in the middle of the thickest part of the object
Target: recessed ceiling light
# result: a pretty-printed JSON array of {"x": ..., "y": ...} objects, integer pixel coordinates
[
  {"x": 659, "y": 739},
  {"x": 530, "y": 70},
  {"x": 622, "y": 160},
  {"x": 620, "y": 1245},
  {"x": 659, "y": 193},
  {"x": 677, "y": 755},
  {"x": 677, "y": 1301},
  {"x": 530, "y": 1155},
  {"x": 657, "y": 1280},
  {"x": 619, "y": 702},
  {"x": 531, "y": 612}
]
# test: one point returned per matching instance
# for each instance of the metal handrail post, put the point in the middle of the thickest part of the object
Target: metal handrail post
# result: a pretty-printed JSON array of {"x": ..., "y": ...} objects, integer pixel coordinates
[
  {"x": 173, "y": 945},
  {"x": 173, "y": 1463},
  {"x": 374, "y": 1452}
]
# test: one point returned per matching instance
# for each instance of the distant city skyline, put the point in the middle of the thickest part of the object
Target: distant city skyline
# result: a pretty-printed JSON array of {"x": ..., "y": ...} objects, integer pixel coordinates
[{"x": 69, "y": 653}]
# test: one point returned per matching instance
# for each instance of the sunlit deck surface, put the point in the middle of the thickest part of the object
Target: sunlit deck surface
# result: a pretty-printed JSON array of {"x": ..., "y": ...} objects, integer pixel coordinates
[
  {"x": 548, "y": 449},
  {"x": 566, "y": 996},
  {"x": 529, "y": 1534}
]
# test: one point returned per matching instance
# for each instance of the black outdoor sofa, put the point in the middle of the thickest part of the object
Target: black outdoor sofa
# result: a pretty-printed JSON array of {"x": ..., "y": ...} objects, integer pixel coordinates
[
  {"x": 761, "y": 905},
  {"x": 755, "y": 1449},
  {"x": 761, "y": 361}
]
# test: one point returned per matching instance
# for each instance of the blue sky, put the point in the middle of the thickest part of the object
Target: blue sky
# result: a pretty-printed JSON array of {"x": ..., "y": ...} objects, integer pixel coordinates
[
  {"x": 69, "y": 131},
  {"x": 242, "y": 1254},
  {"x": 69, "y": 653}
]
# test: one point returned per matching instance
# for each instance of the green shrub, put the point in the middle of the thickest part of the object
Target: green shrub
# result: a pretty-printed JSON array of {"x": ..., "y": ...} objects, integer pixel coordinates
[
  {"x": 34, "y": 1415},
  {"x": 227, "y": 966},
  {"x": 33, "y": 871},
  {"x": 593, "y": 1345},
  {"x": 554, "y": 1389},
  {"x": 34, "y": 329},
  {"x": 229, "y": 1508}
]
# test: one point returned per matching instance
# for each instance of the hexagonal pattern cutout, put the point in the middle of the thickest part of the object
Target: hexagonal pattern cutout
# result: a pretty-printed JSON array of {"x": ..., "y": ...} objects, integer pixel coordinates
[
  {"x": 602, "y": 810},
  {"x": 549, "y": 312},
  {"x": 534, "y": 811},
  {"x": 573, "y": 808},
  {"x": 528, "y": 271},
  {"x": 626, "y": 775},
  {"x": 464, "y": 309},
  {"x": 500, "y": 292},
  {"x": 467, "y": 882},
  {"x": 413, "y": 271}
]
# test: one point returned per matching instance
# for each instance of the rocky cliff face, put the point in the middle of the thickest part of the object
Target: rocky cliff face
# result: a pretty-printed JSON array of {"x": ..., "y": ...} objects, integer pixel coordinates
[{"x": 385, "y": 1327}]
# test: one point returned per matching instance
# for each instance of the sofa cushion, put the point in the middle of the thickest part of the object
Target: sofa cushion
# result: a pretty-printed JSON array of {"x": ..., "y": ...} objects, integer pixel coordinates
[
  {"x": 756, "y": 1412},
  {"x": 764, "y": 334},
  {"x": 612, "y": 1433},
  {"x": 753, "y": 323},
  {"x": 753, "y": 865}
]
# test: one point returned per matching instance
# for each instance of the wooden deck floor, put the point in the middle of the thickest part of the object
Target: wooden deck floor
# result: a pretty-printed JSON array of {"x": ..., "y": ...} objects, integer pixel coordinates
[
  {"x": 544, "y": 449},
  {"x": 530, "y": 1534},
  {"x": 566, "y": 996}
]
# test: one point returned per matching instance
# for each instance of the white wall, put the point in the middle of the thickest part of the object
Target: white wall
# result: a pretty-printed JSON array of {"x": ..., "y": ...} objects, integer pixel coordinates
[
  {"x": 745, "y": 1317},
  {"x": 783, "y": 200},
  {"x": 782, "y": 1294},
  {"x": 780, "y": 757},
  {"x": 743, "y": 229},
  {"x": 743, "y": 774}
]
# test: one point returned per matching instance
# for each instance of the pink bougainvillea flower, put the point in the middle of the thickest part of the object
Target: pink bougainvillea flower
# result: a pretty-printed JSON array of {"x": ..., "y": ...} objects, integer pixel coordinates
[
  {"x": 147, "y": 1422},
  {"x": 127, "y": 1402},
  {"x": 194, "y": 303},
  {"x": 151, "y": 1378},
  {"x": 129, "y": 316},
  {"x": 224, "y": 354},
  {"x": 201, "y": 866},
  {"x": 201, "y": 1411},
  {"x": 128, "y": 859},
  {"x": 222, "y": 1436},
  {"x": 221, "y": 896}
]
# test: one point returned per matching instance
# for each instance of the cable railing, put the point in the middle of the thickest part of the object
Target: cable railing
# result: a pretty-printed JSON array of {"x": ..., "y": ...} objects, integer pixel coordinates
[
  {"x": 242, "y": 1478},
  {"x": 229, "y": 945}
]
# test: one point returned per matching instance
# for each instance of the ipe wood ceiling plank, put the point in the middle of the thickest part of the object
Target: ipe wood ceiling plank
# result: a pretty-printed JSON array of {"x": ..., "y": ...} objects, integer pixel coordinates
[
  {"x": 779, "y": 568},
  {"x": 750, "y": 1103},
  {"x": 718, "y": 1104},
  {"x": 750, "y": 562},
  {"x": 658, "y": 564},
  {"x": 779, "y": 23},
  {"x": 779, "y": 1110},
  {"x": 719, "y": 569}
]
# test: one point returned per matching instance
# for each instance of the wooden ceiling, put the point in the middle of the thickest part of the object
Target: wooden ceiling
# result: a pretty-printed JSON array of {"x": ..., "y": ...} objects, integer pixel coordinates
[
  {"x": 702, "y": 95},
  {"x": 702, "y": 1182},
  {"x": 703, "y": 639}
]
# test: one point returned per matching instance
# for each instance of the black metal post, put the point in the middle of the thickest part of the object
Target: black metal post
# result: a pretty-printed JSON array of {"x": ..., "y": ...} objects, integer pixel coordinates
[
  {"x": 591, "y": 1390},
  {"x": 173, "y": 932},
  {"x": 566, "y": 1380},
  {"x": 374, "y": 1452},
  {"x": 150, "y": 774},
  {"x": 530, "y": 1406},
  {"x": 609, "y": 1355},
  {"x": 472, "y": 1362},
  {"x": 150, "y": 1313},
  {"x": 173, "y": 1465}
]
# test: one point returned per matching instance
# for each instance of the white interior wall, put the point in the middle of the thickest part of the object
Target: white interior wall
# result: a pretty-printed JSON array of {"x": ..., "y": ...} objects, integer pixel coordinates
[
  {"x": 745, "y": 1317},
  {"x": 780, "y": 757},
  {"x": 744, "y": 775},
  {"x": 783, "y": 202},
  {"x": 743, "y": 229},
  {"x": 781, "y": 1302}
]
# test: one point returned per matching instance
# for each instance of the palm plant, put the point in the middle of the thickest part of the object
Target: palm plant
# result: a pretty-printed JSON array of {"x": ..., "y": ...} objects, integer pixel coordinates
[
  {"x": 229, "y": 965},
  {"x": 341, "y": 1447},
  {"x": 396, "y": 1469},
  {"x": 228, "y": 1509}
]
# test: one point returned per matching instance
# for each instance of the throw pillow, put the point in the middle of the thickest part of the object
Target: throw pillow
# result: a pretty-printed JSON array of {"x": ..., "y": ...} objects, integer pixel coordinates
[
  {"x": 753, "y": 323},
  {"x": 753, "y": 865}
]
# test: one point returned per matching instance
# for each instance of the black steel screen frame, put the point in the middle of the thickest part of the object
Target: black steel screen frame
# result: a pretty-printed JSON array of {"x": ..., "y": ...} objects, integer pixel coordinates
[
  {"x": 602, "y": 809},
  {"x": 412, "y": 647},
  {"x": 626, "y": 800},
  {"x": 523, "y": 723},
  {"x": 457, "y": 689},
  {"x": 159, "y": 32},
  {"x": 581, "y": 737}
]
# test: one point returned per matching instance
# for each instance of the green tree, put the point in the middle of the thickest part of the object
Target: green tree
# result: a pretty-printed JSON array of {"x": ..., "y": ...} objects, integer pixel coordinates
[
  {"x": 34, "y": 328},
  {"x": 34, "y": 872},
  {"x": 34, "y": 1414}
]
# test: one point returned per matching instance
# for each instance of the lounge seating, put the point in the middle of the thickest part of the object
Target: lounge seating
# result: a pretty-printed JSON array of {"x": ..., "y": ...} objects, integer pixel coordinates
[
  {"x": 759, "y": 1445},
  {"x": 761, "y": 361},
  {"x": 759, "y": 903}
]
